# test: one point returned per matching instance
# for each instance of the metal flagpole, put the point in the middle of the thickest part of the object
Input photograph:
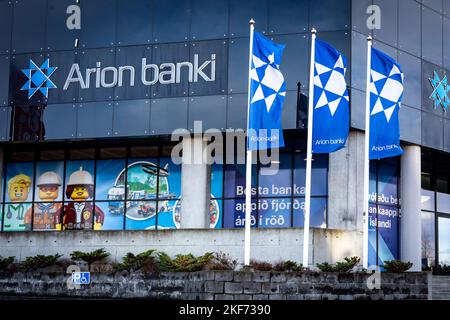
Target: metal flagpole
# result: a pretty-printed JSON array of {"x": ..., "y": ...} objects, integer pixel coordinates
[
  {"x": 366, "y": 159},
  {"x": 248, "y": 171},
  {"x": 309, "y": 152}
]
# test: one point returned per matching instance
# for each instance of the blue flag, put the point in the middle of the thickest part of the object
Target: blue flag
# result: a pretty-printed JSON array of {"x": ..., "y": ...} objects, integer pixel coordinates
[
  {"x": 386, "y": 93},
  {"x": 331, "y": 110},
  {"x": 267, "y": 92}
]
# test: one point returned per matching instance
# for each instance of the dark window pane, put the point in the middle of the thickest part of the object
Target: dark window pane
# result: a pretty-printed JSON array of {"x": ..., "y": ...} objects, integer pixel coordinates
[
  {"x": 432, "y": 36},
  {"x": 52, "y": 154},
  {"x": 242, "y": 11},
  {"x": 280, "y": 183},
  {"x": 161, "y": 115},
  {"x": 317, "y": 212},
  {"x": 114, "y": 152},
  {"x": 60, "y": 121},
  {"x": 90, "y": 59},
  {"x": 288, "y": 16},
  {"x": 5, "y": 121},
  {"x": 211, "y": 110},
  {"x": 428, "y": 239},
  {"x": 388, "y": 32},
  {"x": 409, "y": 37},
  {"x": 64, "y": 61},
  {"x": 78, "y": 154},
  {"x": 28, "y": 124},
  {"x": 4, "y": 80},
  {"x": 322, "y": 19},
  {"x": 140, "y": 152},
  {"x": 131, "y": 118},
  {"x": 432, "y": 131},
  {"x": 134, "y": 22}
]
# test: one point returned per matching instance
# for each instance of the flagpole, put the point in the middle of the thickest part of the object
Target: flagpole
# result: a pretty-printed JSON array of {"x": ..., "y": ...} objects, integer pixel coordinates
[
  {"x": 366, "y": 159},
  {"x": 248, "y": 171},
  {"x": 309, "y": 152}
]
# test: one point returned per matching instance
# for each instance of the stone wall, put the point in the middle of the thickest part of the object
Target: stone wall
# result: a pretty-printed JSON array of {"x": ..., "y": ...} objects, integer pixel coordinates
[{"x": 221, "y": 285}]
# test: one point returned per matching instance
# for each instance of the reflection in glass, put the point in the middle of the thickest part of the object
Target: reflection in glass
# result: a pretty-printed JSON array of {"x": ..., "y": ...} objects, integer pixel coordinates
[
  {"x": 427, "y": 199},
  {"x": 443, "y": 202}
]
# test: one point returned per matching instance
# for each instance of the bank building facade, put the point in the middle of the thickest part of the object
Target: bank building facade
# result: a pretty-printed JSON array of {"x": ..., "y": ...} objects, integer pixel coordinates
[{"x": 91, "y": 92}]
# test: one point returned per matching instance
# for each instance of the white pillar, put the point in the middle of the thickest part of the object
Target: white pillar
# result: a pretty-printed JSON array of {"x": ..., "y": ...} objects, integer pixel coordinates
[
  {"x": 410, "y": 222},
  {"x": 195, "y": 185}
]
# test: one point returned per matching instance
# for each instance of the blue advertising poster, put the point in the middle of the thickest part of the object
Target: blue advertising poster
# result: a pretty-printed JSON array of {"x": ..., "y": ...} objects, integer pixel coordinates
[
  {"x": 216, "y": 180},
  {"x": 169, "y": 179},
  {"x": 19, "y": 184},
  {"x": 234, "y": 181},
  {"x": 280, "y": 183},
  {"x": 319, "y": 175},
  {"x": 234, "y": 213}
]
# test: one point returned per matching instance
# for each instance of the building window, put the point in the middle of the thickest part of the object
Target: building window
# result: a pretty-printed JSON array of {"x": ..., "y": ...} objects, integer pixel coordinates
[
  {"x": 277, "y": 200},
  {"x": 384, "y": 208},
  {"x": 107, "y": 188}
]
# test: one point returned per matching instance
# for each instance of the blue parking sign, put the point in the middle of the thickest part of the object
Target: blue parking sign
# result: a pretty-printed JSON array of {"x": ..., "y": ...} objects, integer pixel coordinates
[{"x": 81, "y": 277}]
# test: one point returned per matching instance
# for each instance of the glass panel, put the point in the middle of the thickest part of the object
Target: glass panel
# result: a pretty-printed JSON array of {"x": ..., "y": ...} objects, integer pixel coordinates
[
  {"x": 242, "y": 11},
  {"x": 132, "y": 56},
  {"x": 443, "y": 202},
  {"x": 27, "y": 123},
  {"x": 135, "y": 112},
  {"x": 410, "y": 120},
  {"x": 209, "y": 52},
  {"x": 169, "y": 179},
  {"x": 432, "y": 131},
  {"x": 234, "y": 181},
  {"x": 428, "y": 240},
  {"x": 49, "y": 176},
  {"x": 213, "y": 14},
  {"x": 388, "y": 32},
  {"x": 411, "y": 66},
  {"x": 171, "y": 23},
  {"x": 169, "y": 55},
  {"x": 19, "y": 184},
  {"x": 409, "y": 33},
  {"x": 142, "y": 179},
  {"x": 319, "y": 175},
  {"x": 237, "y": 111},
  {"x": 95, "y": 119},
  {"x": 140, "y": 152},
  {"x": 359, "y": 15},
  {"x": 428, "y": 70},
  {"x": 98, "y": 18},
  {"x": 55, "y": 127},
  {"x": 47, "y": 216},
  {"x": 294, "y": 69},
  {"x": 110, "y": 183},
  {"x": 161, "y": 115},
  {"x": 434, "y": 4},
  {"x": 321, "y": 18},
  {"x": 357, "y": 108},
  {"x": 359, "y": 61},
  {"x": 388, "y": 241},
  {"x": 211, "y": 110},
  {"x": 432, "y": 36},
  {"x": 169, "y": 214},
  {"x": 79, "y": 180},
  {"x": 5, "y": 120},
  {"x": 237, "y": 61},
  {"x": 140, "y": 215},
  {"x": 275, "y": 213},
  {"x": 97, "y": 87},
  {"x": 217, "y": 180},
  {"x": 288, "y": 16},
  {"x": 234, "y": 213},
  {"x": 447, "y": 43},
  {"x": 444, "y": 241},
  {"x": 134, "y": 22},
  {"x": 427, "y": 199},
  {"x": 387, "y": 184},
  {"x": 4, "y": 80},
  {"x": 113, "y": 212},
  {"x": 279, "y": 184},
  {"x": 64, "y": 61},
  {"x": 317, "y": 212},
  {"x": 29, "y": 26},
  {"x": 373, "y": 181},
  {"x": 6, "y": 16},
  {"x": 109, "y": 153},
  {"x": 59, "y": 37},
  {"x": 82, "y": 154}
]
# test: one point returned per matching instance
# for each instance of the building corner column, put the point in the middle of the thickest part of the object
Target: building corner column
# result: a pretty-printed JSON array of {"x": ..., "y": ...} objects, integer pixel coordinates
[
  {"x": 195, "y": 185},
  {"x": 410, "y": 221}
]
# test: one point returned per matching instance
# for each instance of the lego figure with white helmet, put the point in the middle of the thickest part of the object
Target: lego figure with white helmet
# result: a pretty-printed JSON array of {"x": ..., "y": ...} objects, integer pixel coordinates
[
  {"x": 79, "y": 213},
  {"x": 47, "y": 212}
]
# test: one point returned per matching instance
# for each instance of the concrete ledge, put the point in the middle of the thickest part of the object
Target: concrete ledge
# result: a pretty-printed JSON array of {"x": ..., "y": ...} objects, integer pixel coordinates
[
  {"x": 269, "y": 245},
  {"x": 217, "y": 285}
]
